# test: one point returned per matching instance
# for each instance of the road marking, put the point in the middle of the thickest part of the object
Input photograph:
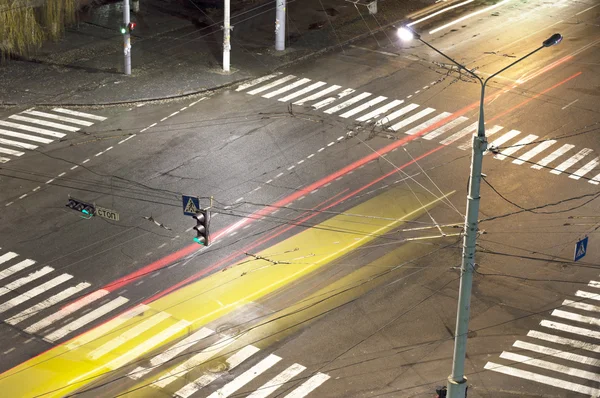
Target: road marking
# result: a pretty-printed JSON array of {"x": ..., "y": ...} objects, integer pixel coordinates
[
  {"x": 23, "y": 281},
  {"x": 69, "y": 309},
  {"x": 595, "y": 180},
  {"x": 271, "y": 85},
  {"x": 61, "y": 174},
  {"x": 278, "y": 381},
  {"x": 427, "y": 123},
  {"x": 330, "y": 100},
  {"x": 129, "y": 334},
  {"x": 105, "y": 328},
  {"x": 534, "y": 151},
  {"x": 204, "y": 380},
  {"x": 25, "y": 136},
  {"x": 9, "y": 350},
  {"x": 317, "y": 95},
  {"x": 581, "y": 306},
  {"x": 515, "y": 147},
  {"x": 171, "y": 353},
  {"x": 22, "y": 196},
  {"x": 58, "y": 117},
  {"x": 553, "y": 156},
  {"x": 569, "y": 104},
  {"x": 194, "y": 361},
  {"x": 412, "y": 119},
  {"x": 32, "y": 129},
  {"x": 286, "y": 88},
  {"x": 257, "y": 81},
  {"x": 11, "y": 152},
  {"x": 85, "y": 319},
  {"x": 551, "y": 381},
  {"x": 571, "y": 161},
  {"x": 363, "y": 107},
  {"x": 502, "y": 139},
  {"x": 396, "y": 114},
  {"x": 374, "y": 51},
  {"x": 80, "y": 114},
  {"x": 446, "y": 127},
  {"x": 246, "y": 377},
  {"x": 36, "y": 188},
  {"x": 576, "y": 317},
  {"x": 85, "y": 161},
  {"x": 308, "y": 386},
  {"x": 585, "y": 169},
  {"x": 570, "y": 329},
  {"x": 587, "y": 9},
  {"x": 557, "y": 353},
  {"x": 305, "y": 90},
  {"x": 347, "y": 103},
  {"x": 34, "y": 292},
  {"x": 74, "y": 167},
  {"x": 44, "y": 123},
  {"x": 562, "y": 340},
  {"x": 8, "y": 256}
]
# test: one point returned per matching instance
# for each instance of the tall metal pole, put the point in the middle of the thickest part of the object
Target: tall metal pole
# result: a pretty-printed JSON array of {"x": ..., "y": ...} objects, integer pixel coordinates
[
  {"x": 226, "y": 36},
  {"x": 280, "y": 25},
  {"x": 457, "y": 382},
  {"x": 126, "y": 39}
]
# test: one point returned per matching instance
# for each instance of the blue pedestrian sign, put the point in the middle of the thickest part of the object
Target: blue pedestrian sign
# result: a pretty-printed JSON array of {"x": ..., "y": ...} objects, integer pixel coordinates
[
  {"x": 191, "y": 205},
  {"x": 581, "y": 248}
]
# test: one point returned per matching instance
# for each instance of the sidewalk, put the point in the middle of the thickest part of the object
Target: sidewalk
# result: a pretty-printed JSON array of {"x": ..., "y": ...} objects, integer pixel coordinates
[{"x": 177, "y": 49}]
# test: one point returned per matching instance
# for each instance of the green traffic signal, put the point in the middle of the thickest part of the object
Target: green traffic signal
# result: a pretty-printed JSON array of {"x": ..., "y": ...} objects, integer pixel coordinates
[{"x": 123, "y": 30}]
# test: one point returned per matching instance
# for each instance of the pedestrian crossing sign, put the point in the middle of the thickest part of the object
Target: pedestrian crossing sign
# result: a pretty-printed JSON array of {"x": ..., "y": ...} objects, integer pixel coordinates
[
  {"x": 191, "y": 205},
  {"x": 581, "y": 248}
]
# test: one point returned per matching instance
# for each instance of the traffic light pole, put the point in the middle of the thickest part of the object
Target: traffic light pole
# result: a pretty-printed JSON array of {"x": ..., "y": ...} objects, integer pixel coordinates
[
  {"x": 280, "y": 25},
  {"x": 126, "y": 39},
  {"x": 226, "y": 36}
]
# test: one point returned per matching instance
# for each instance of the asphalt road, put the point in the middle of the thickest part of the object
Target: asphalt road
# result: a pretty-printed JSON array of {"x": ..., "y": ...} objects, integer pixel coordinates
[{"x": 391, "y": 335}]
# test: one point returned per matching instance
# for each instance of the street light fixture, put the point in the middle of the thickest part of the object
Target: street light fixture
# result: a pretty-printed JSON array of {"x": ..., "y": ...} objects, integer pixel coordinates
[{"x": 457, "y": 382}]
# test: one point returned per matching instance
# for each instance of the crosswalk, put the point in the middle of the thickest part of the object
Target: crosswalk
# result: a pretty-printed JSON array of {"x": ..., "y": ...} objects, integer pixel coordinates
[
  {"x": 24, "y": 132},
  {"x": 397, "y": 116},
  {"x": 33, "y": 299},
  {"x": 564, "y": 351}
]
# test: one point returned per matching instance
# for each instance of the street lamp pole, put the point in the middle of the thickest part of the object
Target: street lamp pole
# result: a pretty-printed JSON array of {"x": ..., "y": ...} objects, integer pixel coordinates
[{"x": 457, "y": 382}]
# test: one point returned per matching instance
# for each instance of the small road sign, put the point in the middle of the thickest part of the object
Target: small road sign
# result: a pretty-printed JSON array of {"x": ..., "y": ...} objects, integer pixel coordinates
[
  {"x": 581, "y": 248},
  {"x": 191, "y": 205},
  {"x": 107, "y": 213}
]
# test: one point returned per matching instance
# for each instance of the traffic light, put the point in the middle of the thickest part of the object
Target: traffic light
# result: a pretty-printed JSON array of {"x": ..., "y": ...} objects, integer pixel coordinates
[
  {"x": 202, "y": 222},
  {"x": 83, "y": 207},
  {"x": 128, "y": 28}
]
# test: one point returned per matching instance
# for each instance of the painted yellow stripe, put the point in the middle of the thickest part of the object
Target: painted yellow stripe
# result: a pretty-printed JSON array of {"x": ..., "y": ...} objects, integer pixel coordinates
[{"x": 63, "y": 371}]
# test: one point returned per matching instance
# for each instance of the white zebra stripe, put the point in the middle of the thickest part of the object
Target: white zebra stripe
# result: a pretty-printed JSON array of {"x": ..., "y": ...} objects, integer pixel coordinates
[
  {"x": 347, "y": 103},
  {"x": 525, "y": 360},
  {"x": 37, "y": 130},
  {"x": 11, "y": 152},
  {"x": 595, "y": 180},
  {"x": 278, "y": 381},
  {"x": 271, "y": 85},
  {"x": 469, "y": 130},
  {"x": 396, "y": 114},
  {"x": 58, "y": 117},
  {"x": 57, "y": 298},
  {"x": 593, "y": 296},
  {"x": 286, "y": 88},
  {"x": 23, "y": 281},
  {"x": 488, "y": 133},
  {"x": 15, "y": 268},
  {"x": 308, "y": 386},
  {"x": 595, "y": 284},
  {"x": 129, "y": 334},
  {"x": 557, "y": 353},
  {"x": 553, "y": 156},
  {"x": 330, "y": 100},
  {"x": 551, "y": 381},
  {"x": 305, "y": 90},
  {"x": 411, "y": 119},
  {"x": 20, "y": 299},
  {"x": 85, "y": 319},
  {"x": 4, "y": 160},
  {"x": 105, "y": 328},
  {"x": 246, "y": 377},
  {"x": 80, "y": 114},
  {"x": 564, "y": 341},
  {"x": 171, "y": 353},
  {"x": 446, "y": 127},
  {"x": 17, "y": 144},
  {"x": 44, "y": 123},
  {"x": 25, "y": 136},
  {"x": 570, "y": 329},
  {"x": 571, "y": 161},
  {"x": 534, "y": 151},
  {"x": 257, "y": 81},
  {"x": 585, "y": 169},
  {"x": 581, "y": 306},
  {"x": 69, "y": 309},
  {"x": 363, "y": 107},
  {"x": 428, "y": 123},
  {"x": 7, "y": 256},
  {"x": 576, "y": 317},
  {"x": 317, "y": 95},
  {"x": 204, "y": 380},
  {"x": 379, "y": 111},
  {"x": 502, "y": 139},
  {"x": 515, "y": 147}
]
